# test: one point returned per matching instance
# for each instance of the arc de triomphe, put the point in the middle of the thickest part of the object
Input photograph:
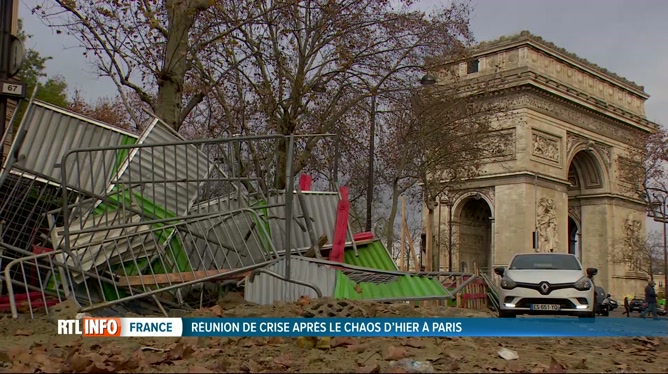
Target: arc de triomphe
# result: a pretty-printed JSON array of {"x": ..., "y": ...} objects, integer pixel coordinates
[{"x": 574, "y": 123}]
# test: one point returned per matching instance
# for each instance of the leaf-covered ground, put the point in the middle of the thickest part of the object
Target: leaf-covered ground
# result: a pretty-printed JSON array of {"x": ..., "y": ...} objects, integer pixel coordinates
[{"x": 33, "y": 346}]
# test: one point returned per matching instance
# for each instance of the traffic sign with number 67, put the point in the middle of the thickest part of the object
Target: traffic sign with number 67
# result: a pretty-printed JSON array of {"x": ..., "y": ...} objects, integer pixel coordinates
[{"x": 13, "y": 89}]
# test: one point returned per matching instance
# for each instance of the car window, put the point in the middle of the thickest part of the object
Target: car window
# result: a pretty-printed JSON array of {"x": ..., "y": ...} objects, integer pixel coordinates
[{"x": 545, "y": 262}]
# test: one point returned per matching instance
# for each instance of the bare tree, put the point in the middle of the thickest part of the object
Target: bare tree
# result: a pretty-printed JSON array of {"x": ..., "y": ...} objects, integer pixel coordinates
[
  {"x": 442, "y": 138},
  {"x": 158, "y": 49},
  {"x": 644, "y": 170},
  {"x": 353, "y": 49},
  {"x": 639, "y": 253}
]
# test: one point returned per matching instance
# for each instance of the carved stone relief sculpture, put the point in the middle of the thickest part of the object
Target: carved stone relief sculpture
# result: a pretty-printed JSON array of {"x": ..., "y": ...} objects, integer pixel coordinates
[
  {"x": 567, "y": 112},
  {"x": 547, "y": 225},
  {"x": 544, "y": 147},
  {"x": 500, "y": 144},
  {"x": 632, "y": 231}
]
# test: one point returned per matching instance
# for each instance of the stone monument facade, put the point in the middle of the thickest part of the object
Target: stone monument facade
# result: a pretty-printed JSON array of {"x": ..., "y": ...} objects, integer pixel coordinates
[{"x": 558, "y": 174}]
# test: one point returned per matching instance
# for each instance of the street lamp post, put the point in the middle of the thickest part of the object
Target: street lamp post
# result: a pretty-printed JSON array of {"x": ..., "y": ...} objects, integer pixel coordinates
[
  {"x": 319, "y": 87},
  {"x": 450, "y": 204},
  {"x": 372, "y": 146},
  {"x": 659, "y": 206},
  {"x": 426, "y": 80}
]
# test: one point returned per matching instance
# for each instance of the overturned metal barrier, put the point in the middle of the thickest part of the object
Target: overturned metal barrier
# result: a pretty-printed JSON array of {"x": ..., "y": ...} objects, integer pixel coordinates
[
  {"x": 321, "y": 278},
  {"x": 143, "y": 231},
  {"x": 150, "y": 216}
]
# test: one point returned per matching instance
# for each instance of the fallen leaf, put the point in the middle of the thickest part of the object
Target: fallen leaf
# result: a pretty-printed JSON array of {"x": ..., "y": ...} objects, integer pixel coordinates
[
  {"x": 646, "y": 340},
  {"x": 307, "y": 342},
  {"x": 22, "y": 368},
  {"x": 250, "y": 367},
  {"x": 323, "y": 343},
  {"x": 199, "y": 369},
  {"x": 413, "y": 343},
  {"x": 153, "y": 358},
  {"x": 556, "y": 366},
  {"x": 275, "y": 340},
  {"x": 515, "y": 367},
  {"x": 180, "y": 352},
  {"x": 454, "y": 367},
  {"x": 283, "y": 360},
  {"x": 341, "y": 341},
  {"x": 100, "y": 367},
  {"x": 247, "y": 343},
  {"x": 188, "y": 340},
  {"x": 581, "y": 365},
  {"x": 358, "y": 288},
  {"x": 438, "y": 360},
  {"x": 508, "y": 354},
  {"x": 368, "y": 369},
  {"x": 455, "y": 356},
  {"x": 220, "y": 366},
  {"x": 357, "y": 348},
  {"x": 19, "y": 355},
  {"x": 79, "y": 362},
  {"x": 396, "y": 370},
  {"x": 23, "y": 332},
  {"x": 304, "y": 300},
  {"x": 217, "y": 310},
  {"x": 206, "y": 353},
  {"x": 393, "y": 353},
  {"x": 643, "y": 348}
]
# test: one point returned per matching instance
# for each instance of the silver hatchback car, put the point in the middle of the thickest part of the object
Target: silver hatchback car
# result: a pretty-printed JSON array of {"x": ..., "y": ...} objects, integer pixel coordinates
[{"x": 546, "y": 284}]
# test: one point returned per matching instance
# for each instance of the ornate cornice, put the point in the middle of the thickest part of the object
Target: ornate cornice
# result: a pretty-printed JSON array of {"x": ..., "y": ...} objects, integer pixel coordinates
[
  {"x": 526, "y": 36},
  {"x": 552, "y": 105}
]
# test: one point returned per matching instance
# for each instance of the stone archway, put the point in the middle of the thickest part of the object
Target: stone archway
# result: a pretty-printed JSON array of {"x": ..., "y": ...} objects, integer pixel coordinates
[
  {"x": 586, "y": 178},
  {"x": 585, "y": 174},
  {"x": 474, "y": 216},
  {"x": 574, "y": 237},
  {"x": 556, "y": 181}
]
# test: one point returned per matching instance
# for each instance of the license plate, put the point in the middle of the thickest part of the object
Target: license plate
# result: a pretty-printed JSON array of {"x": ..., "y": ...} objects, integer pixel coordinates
[{"x": 545, "y": 307}]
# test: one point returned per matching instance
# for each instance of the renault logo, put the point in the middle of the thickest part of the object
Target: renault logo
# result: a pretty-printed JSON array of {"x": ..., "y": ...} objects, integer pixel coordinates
[{"x": 544, "y": 288}]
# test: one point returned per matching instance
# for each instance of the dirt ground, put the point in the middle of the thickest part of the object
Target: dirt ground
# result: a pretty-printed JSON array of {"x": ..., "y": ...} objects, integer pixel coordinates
[{"x": 32, "y": 346}]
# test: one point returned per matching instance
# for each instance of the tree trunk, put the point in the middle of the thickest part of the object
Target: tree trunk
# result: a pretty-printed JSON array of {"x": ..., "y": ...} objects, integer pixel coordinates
[
  {"x": 280, "y": 180},
  {"x": 430, "y": 238},
  {"x": 181, "y": 18},
  {"x": 393, "y": 215}
]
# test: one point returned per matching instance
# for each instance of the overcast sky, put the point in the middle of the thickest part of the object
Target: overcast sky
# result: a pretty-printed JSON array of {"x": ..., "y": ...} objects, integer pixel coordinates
[{"x": 628, "y": 37}]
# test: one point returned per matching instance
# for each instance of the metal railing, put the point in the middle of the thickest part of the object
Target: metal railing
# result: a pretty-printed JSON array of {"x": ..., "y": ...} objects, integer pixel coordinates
[{"x": 159, "y": 217}]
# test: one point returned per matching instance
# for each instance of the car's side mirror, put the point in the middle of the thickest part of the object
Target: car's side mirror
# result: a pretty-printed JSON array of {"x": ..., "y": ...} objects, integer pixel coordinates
[
  {"x": 500, "y": 270},
  {"x": 608, "y": 295},
  {"x": 591, "y": 272}
]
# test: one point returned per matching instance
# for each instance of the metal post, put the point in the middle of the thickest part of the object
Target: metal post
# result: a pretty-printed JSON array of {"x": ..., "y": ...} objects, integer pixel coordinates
[
  {"x": 369, "y": 186},
  {"x": 337, "y": 155},
  {"x": 289, "y": 191},
  {"x": 6, "y": 15},
  {"x": 665, "y": 250},
  {"x": 450, "y": 236},
  {"x": 438, "y": 236}
]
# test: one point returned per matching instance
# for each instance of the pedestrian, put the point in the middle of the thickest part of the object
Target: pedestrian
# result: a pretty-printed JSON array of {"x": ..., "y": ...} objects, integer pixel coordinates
[
  {"x": 627, "y": 307},
  {"x": 650, "y": 299}
]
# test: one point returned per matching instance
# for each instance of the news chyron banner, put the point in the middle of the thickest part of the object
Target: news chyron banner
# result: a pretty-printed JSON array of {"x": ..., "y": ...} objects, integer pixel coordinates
[{"x": 364, "y": 327}]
